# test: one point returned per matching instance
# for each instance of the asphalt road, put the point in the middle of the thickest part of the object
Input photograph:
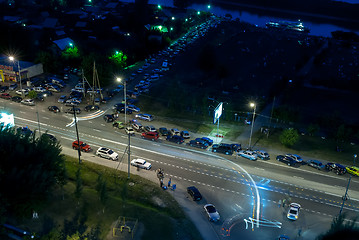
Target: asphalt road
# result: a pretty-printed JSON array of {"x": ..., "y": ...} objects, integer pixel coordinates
[{"x": 229, "y": 182}]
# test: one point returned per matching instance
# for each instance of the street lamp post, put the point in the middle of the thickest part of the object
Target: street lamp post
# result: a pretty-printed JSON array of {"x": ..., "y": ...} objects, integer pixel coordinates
[
  {"x": 129, "y": 136},
  {"x": 19, "y": 70},
  {"x": 125, "y": 95},
  {"x": 253, "y": 105},
  {"x": 355, "y": 158}
]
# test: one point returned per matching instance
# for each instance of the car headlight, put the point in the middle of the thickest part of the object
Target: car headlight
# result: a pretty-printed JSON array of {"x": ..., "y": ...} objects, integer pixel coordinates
[{"x": 296, "y": 216}]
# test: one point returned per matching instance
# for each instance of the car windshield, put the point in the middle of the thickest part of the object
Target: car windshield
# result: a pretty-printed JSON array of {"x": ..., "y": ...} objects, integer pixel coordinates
[
  {"x": 293, "y": 211},
  {"x": 211, "y": 209},
  {"x": 83, "y": 145},
  {"x": 110, "y": 151}
]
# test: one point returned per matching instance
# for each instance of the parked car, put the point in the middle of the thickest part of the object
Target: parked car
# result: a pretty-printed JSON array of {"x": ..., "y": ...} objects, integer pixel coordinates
[
  {"x": 208, "y": 140},
  {"x": 248, "y": 154},
  {"x": 72, "y": 102},
  {"x": 122, "y": 110},
  {"x": 73, "y": 110},
  {"x": 144, "y": 116},
  {"x": 130, "y": 131},
  {"x": 49, "y": 136},
  {"x": 150, "y": 135},
  {"x": 22, "y": 92},
  {"x": 5, "y": 96},
  {"x": 137, "y": 126},
  {"x": 150, "y": 128},
  {"x": 185, "y": 134},
  {"x": 109, "y": 118},
  {"x": 198, "y": 143},
  {"x": 293, "y": 212},
  {"x": 118, "y": 124},
  {"x": 107, "y": 153},
  {"x": 91, "y": 108},
  {"x": 236, "y": 147},
  {"x": 175, "y": 138},
  {"x": 4, "y": 88},
  {"x": 194, "y": 193},
  {"x": 262, "y": 155},
  {"x": 13, "y": 86},
  {"x": 287, "y": 160},
  {"x": 28, "y": 102},
  {"x": 16, "y": 99},
  {"x": 353, "y": 170},
  {"x": 211, "y": 212},
  {"x": 163, "y": 131},
  {"x": 141, "y": 163},
  {"x": 83, "y": 146},
  {"x": 222, "y": 148},
  {"x": 336, "y": 167},
  {"x": 296, "y": 157},
  {"x": 175, "y": 131},
  {"x": 133, "y": 108},
  {"x": 24, "y": 131},
  {"x": 39, "y": 89},
  {"x": 54, "y": 109},
  {"x": 316, "y": 164}
]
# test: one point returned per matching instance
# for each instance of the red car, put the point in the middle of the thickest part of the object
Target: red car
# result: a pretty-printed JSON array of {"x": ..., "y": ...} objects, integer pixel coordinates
[
  {"x": 83, "y": 146},
  {"x": 150, "y": 135},
  {"x": 5, "y": 96}
]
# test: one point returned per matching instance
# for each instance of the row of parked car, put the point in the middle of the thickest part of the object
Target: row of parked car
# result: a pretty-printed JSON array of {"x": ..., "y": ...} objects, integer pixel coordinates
[{"x": 339, "y": 169}]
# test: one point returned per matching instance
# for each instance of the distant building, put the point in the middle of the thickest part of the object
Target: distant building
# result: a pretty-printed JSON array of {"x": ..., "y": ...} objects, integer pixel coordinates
[{"x": 9, "y": 71}]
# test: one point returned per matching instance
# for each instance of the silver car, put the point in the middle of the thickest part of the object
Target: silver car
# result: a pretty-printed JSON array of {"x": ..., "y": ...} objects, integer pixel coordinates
[{"x": 211, "y": 212}]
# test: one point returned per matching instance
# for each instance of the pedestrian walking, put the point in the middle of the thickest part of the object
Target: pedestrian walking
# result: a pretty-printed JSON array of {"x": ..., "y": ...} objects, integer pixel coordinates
[
  {"x": 169, "y": 182},
  {"x": 279, "y": 203},
  {"x": 284, "y": 202}
]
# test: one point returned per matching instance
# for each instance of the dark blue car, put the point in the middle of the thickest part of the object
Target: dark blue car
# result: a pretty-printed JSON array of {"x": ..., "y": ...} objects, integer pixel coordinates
[{"x": 175, "y": 139}]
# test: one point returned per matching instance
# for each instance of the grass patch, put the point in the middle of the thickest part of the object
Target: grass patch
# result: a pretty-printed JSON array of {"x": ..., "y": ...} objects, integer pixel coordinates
[{"x": 158, "y": 213}]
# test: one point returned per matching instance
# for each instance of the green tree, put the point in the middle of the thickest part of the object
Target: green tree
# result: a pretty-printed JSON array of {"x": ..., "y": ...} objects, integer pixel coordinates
[
  {"x": 313, "y": 129},
  {"x": 289, "y": 137},
  {"x": 79, "y": 184},
  {"x": 119, "y": 58},
  {"x": 101, "y": 188},
  {"x": 29, "y": 169},
  {"x": 340, "y": 229},
  {"x": 32, "y": 94},
  {"x": 343, "y": 133}
]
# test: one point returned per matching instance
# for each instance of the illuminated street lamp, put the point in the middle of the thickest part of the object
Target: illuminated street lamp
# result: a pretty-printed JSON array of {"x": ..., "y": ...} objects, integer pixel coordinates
[
  {"x": 124, "y": 92},
  {"x": 209, "y": 6},
  {"x": 129, "y": 135},
  {"x": 18, "y": 68},
  {"x": 252, "y": 105},
  {"x": 173, "y": 18}
]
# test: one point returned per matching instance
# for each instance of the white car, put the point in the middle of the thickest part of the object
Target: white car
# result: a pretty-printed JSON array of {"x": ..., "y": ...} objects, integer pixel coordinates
[
  {"x": 133, "y": 108},
  {"x": 22, "y": 91},
  {"x": 107, "y": 153},
  {"x": 29, "y": 102},
  {"x": 141, "y": 163},
  {"x": 293, "y": 211},
  {"x": 130, "y": 131},
  {"x": 248, "y": 154},
  {"x": 39, "y": 89},
  {"x": 146, "y": 117},
  {"x": 262, "y": 154},
  {"x": 296, "y": 157},
  {"x": 175, "y": 131},
  {"x": 211, "y": 212}
]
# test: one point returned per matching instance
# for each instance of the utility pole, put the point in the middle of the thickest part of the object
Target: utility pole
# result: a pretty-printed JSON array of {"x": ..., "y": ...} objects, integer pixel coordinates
[
  {"x": 129, "y": 155},
  {"x": 345, "y": 196},
  {"x": 77, "y": 134}
]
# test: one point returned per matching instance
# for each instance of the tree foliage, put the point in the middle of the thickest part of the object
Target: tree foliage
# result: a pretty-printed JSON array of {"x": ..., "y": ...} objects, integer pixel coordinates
[
  {"x": 29, "y": 168},
  {"x": 289, "y": 137},
  {"x": 341, "y": 230},
  {"x": 119, "y": 58}
]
